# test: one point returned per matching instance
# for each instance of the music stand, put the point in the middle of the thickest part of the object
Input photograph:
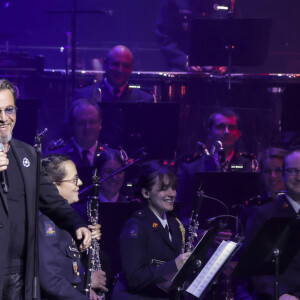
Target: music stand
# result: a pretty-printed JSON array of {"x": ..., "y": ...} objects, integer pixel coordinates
[
  {"x": 231, "y": 42},
  {"x": 198, "y": 261},
  {"x": 278, "y": 243},
  {"x": 233, "y": 188},
  {"x": 136, "y": 125}
]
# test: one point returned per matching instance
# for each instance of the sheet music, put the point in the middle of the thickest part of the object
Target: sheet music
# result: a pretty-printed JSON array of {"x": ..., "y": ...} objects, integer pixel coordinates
[{"x": 214, "y": 264}]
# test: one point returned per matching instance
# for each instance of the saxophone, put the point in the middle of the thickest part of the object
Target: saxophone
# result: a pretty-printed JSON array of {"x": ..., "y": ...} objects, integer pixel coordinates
[{"x": 93, "y": 259}]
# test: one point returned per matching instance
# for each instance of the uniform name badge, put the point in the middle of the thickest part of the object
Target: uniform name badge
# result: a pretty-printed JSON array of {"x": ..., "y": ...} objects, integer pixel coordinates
[{"x": 157, "y": 262}]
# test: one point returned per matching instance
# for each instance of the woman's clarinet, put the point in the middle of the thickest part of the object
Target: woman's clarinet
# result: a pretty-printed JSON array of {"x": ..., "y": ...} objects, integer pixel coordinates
[
  {"x": 194, "y": 224},
  {"x": 93, "y": 257}
]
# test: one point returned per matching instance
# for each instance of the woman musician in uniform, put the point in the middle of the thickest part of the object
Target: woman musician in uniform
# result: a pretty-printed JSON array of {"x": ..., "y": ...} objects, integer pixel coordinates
[
  {"x": 60, "y": 267},
  {"x": 152, "y": 240}
]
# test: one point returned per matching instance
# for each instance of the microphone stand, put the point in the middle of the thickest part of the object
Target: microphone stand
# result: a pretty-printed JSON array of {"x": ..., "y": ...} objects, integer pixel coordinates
[
  {"x": 38, "y": 148},
  {"x": 121, "y": 169},
  {"x": 72, "y": 44}
]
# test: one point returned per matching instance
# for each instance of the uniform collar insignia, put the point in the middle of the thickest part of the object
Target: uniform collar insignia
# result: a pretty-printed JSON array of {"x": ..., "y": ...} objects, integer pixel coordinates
[
  {"x": 285, "y": 205},
  {"x": 154, "y": 225}
]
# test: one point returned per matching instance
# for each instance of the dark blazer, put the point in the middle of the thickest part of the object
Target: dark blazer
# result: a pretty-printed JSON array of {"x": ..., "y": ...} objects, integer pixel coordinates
[
  {"x": 289, "y": 281},
  {"x": 128, "y": 94},
  {"x": 60, "y": 266},
  {"x": 71, "y": 150},
  {"x": 50, "y": 203},
  {"x": 148, "y": 256}
]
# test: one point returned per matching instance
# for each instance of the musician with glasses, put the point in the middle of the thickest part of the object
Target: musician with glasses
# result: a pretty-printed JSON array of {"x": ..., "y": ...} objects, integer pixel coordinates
[
  {"x": 18, "y": 167},
  {"x": 61, "y": 272},
  {"x": 287, "y": 205}
]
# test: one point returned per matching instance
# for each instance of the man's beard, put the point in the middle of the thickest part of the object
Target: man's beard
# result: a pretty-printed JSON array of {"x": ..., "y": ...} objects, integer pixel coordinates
[{"x": 5, "y": 139}]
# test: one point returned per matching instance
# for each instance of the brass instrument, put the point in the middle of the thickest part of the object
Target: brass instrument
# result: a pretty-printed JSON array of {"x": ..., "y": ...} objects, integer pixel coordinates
[{"x": 93, "y": 262}]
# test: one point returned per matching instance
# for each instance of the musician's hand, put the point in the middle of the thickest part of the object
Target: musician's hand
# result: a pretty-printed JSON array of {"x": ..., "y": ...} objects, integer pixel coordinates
[
  {"x": 85, "y": 234},
  {"x": 181, "y": 259},
  {"x": 288, "y": 297},
  {"x": 99, "y": 280},
  {"x": 222, "y": 236},
  {"x": 95, "y": 229},
  {"x": 94, "y": 296}
]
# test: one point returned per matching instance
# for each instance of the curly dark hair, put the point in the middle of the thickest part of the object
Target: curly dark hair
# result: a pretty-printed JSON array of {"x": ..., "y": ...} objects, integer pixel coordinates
[{"x": 54, "y": 167}]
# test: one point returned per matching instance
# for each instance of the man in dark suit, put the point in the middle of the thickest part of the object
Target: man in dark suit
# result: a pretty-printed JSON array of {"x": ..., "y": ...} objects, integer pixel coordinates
[
  {"x": 85, "y": 122},
  {"x": 286, "y": 205},
  {"x": 114, "y": 87},
  {"x": 223, "y": 126},
  {"x": 18, "y": 169}
]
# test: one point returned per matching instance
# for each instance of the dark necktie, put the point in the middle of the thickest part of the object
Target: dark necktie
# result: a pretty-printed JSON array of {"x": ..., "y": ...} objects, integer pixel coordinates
[
  {"x": 84, "y": 158},
  {"x": 168, "y": 231},
  {"x": 116, "y": 93}
]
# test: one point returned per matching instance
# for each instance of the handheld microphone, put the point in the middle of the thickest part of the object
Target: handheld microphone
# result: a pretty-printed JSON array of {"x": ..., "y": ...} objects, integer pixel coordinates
[{"x": 3, "y": 175}]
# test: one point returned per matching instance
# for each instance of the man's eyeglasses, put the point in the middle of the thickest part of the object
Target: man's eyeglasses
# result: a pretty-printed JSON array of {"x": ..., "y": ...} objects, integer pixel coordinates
[
  {"x": 74, "y": 180},
  {"x": 9, "y": 111},
  {"x": 292, "y": 171}
]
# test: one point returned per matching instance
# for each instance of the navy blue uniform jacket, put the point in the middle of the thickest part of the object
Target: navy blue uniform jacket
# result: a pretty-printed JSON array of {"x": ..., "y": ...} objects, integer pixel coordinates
[
  {"x": 71, "y": 150},
  {"x": 289, "y": 281},
  {"x": 144, "y": 242},
  {"x": 60, "y": 267},
  {"x": 128, "y": 94}
]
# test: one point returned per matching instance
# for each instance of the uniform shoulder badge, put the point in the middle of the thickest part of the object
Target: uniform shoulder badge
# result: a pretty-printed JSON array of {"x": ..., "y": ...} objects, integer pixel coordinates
[
  {"x": 133, "y": 231},
  {"x": 49, "y": 228}
]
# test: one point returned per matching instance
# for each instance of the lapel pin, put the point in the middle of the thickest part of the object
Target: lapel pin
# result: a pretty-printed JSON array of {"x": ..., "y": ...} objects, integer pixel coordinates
[{"x": 26, "y": 162}]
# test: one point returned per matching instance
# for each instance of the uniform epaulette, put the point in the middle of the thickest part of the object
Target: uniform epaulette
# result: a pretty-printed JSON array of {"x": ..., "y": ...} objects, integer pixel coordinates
[{"x": 138, "y": 214}]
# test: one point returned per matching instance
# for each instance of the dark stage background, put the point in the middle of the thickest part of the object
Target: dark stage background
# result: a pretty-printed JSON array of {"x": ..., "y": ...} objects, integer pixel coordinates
[{"x": 39, "y": 27}]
